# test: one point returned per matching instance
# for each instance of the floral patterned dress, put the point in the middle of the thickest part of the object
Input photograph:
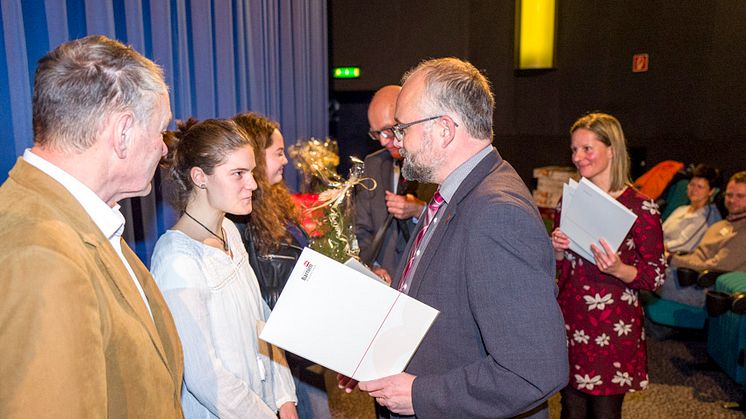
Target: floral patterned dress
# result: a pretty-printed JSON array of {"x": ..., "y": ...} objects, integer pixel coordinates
[{"x": 603, "y": 316}]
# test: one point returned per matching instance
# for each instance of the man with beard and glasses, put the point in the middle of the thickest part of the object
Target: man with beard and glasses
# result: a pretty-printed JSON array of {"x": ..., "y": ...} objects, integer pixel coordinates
[
  {"x": 386, "y": 215},
  {"x": 480, "y": 255}
]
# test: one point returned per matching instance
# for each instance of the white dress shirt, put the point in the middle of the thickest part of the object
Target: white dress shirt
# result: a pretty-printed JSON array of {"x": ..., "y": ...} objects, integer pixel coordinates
[{"x": 108, "y": 219}]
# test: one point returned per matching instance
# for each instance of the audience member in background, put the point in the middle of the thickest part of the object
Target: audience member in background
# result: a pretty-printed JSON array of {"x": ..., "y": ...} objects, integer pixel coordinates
[
  {"x": 385, "y": 216},
  {"x": 274, "y": 240},
  {"x": 684, "y": 228},
  {"x": 599, "y": 298},
  {"x": 203, "y": 271},
  {"x": 84, "y": 331},
  {"x": 722, "y": 248},
  {"x": 481, "y": 256}
]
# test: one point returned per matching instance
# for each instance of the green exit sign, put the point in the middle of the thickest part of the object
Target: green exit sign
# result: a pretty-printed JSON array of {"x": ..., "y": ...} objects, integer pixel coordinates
[{"x": 346, "y": 72}]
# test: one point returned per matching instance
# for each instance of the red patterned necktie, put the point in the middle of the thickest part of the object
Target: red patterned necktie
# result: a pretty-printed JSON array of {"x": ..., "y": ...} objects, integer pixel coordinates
[{"x": 432, "y": 209}]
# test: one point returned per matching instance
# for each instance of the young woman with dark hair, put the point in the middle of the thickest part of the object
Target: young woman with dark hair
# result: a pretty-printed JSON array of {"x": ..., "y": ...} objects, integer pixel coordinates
[{"x": 203, "y": 271}]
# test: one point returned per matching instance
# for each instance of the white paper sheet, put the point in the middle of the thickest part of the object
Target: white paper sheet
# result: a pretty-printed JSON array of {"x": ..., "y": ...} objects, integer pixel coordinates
[
  {"x": 591, "y": 215},
  {"x": 336, "y": 317},
  {"x": 358, "y": 266}
]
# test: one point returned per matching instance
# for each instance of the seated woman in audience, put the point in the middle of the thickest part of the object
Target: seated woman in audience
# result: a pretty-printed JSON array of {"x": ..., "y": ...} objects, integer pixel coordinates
[
  {"x": 274, "y": 240},
  {"x": 684, "y": 228},
  {"x": 202, "y": 269}
]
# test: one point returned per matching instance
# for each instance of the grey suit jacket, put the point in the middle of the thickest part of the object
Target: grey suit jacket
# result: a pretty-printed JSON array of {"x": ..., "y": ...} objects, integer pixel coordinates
[
  {"x": 371, "y": 212},
  {"x": 498, "y": 347}
]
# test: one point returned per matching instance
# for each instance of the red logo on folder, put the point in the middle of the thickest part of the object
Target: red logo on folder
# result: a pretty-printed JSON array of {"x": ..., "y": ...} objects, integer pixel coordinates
[{"x": 307, "y": 271}]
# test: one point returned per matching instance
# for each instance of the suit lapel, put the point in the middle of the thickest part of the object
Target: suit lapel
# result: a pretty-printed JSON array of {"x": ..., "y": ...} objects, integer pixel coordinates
[
  {"x": 154, "y": 323},
  {"x": 109, "y": 261},
  {"x": 101, "y": 250},
  {"x": 387, "y": 167},
  {"x": 482, "y": 169},
  {"x": 163, "y": 333},
  {"x": 433, "y": 245}
]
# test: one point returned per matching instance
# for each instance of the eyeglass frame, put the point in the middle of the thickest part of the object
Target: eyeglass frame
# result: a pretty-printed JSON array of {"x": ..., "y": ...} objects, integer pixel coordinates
[
  {"x": 376, "y": 135},
  {"x": 398, "y": 129}
]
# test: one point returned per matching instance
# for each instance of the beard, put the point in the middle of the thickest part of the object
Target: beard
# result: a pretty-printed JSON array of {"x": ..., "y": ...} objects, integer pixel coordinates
[
  {"x": 421, "y": 165},
  {"x": 735, "y": 212}
]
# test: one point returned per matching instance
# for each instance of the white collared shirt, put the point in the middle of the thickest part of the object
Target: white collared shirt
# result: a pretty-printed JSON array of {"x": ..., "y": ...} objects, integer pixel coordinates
[
  {"x": 395, "y": 174},
  {"x": 108, "y": 219}
]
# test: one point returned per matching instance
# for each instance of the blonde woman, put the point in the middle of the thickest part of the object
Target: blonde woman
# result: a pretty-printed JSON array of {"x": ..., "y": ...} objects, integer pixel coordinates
[{"x": 603, "y": 317}]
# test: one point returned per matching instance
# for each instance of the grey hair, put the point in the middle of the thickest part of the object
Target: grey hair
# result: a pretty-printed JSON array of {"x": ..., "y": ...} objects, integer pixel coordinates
[
  {"x": 81, "y": 82},
  {"x": 456, "y": 86}
]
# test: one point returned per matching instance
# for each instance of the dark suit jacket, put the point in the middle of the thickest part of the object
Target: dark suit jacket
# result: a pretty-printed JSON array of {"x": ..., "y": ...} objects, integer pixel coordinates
[
  {"x": 371, "y": 212},
  {"x": 498, "y": 347},
  {"x": 76, "y": 339}
]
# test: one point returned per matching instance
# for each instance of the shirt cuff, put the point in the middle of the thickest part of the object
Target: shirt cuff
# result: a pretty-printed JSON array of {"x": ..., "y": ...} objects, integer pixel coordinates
[{"x": 284, "y": 400}]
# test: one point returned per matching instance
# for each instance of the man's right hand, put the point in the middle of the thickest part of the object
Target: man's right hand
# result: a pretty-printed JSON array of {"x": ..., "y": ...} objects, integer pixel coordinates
[{"x": 403, "y": 207}]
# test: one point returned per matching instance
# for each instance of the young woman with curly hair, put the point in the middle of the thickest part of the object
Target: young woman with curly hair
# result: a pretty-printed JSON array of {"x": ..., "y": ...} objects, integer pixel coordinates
[{"x": 274, "y": 240}]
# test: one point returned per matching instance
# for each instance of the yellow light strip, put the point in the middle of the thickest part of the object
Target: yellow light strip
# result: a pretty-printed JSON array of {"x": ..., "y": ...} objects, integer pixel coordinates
[{"x": 536, "y": 33}]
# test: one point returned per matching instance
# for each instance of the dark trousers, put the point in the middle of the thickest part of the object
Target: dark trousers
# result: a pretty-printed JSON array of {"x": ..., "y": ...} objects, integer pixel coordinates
[{"x": 579, "y": 405}]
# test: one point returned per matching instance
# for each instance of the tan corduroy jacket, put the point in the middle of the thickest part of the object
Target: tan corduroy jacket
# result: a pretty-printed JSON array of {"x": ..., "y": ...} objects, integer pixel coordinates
[{"x": 76, "y": 339}]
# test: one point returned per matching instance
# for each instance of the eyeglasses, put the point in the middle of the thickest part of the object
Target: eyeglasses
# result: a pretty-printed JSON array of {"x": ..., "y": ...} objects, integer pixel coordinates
[
  {"x": 386, "y": 134},
  {"x": 398, "y": 129}
]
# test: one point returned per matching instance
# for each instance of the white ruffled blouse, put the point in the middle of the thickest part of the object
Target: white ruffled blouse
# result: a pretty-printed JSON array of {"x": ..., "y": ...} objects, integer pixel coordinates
[{"x": 216, "y": 304}]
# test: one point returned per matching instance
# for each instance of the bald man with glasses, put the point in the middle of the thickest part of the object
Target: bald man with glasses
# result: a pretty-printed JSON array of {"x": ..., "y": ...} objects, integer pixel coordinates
[{"x": 386, "y": 215}]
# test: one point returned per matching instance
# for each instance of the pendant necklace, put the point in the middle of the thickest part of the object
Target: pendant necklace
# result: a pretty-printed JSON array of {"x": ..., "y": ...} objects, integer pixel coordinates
[{"x": 222, "y": 240}]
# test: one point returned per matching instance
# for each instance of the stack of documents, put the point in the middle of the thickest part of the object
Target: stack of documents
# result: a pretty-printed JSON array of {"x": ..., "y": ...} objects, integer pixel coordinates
[
  {"x": 342, "y": 319},
  {"x": 589, "y": 214}
]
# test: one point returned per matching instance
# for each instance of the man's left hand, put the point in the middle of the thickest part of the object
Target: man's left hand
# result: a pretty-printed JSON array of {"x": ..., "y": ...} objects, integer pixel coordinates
[
  {"x": 383, "y": 274},
  {"x": 403, "y": 207},
  {"x": 393, "y": 392}
]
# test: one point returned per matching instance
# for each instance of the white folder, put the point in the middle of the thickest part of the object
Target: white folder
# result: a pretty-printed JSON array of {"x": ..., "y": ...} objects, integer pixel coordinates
[
  {"x": 589, "y": 214},
  {"x": 342, "y": 319}
]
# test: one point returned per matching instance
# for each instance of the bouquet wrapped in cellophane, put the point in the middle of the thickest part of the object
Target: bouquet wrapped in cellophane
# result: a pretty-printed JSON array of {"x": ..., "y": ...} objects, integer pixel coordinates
[{"x": 333, "y": 227}]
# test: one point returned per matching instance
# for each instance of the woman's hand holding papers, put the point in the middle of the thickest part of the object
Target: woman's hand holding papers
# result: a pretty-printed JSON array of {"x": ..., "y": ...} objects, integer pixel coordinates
[
  {"x": 560, "y": 243},
  {"x": 608, "y": 262}
]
